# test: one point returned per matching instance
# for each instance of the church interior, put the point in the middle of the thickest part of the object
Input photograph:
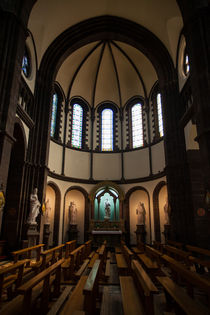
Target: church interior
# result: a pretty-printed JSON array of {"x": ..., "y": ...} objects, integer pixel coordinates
[{"x": 105, "y": 157}]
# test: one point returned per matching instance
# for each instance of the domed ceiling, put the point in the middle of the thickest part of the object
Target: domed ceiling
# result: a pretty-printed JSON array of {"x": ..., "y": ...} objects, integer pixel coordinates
[{"x": 106, "y": 71}]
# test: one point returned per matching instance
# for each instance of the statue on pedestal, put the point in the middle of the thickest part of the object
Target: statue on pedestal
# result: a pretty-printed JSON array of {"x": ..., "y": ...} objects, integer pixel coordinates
[
  {"x": 72, "y": 213},
  {"x": 47, "y": 212},
  {"x": 34, "y": 207},
  {"x": 166, "y": 209},
  {"x": 107, "y": 209},
  {"x": 141, "y": 213}
]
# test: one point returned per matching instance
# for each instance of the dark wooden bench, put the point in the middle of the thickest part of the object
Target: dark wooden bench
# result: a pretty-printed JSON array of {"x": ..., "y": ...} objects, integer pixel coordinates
[
  {"x": 183, "y": 302},
  {"x": 137, "y": 291},
  {"x": 40, "y": 285},
  {"x": 154, "y": 254},
  {"x": 12, "y": 276},
  {"x": 33, "y": 254},
  {"x": 157, "y": 245},
  {"x": 69, "y": 247},
  {"x": 88, "y": 245},
  {"x": 50, "y": 256},
  {"x": 191, "y": 279},
  {"x": 177, "y": 254},
  {"x": 73, "y": 263},
  {"x": 83, "y": 298},
  {"x": 200, "y": 258},
  {"x": 124, "y": 261},
  {"x": 175, "y": 244},
  {"x": 139, "y": 248}
]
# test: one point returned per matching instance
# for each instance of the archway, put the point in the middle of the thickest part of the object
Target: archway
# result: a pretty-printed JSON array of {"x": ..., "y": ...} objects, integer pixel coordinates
[
  {"x": 13, "y": 214},
  {"x": 132, "y": 199},
  {"x": 157, "y": 205}
]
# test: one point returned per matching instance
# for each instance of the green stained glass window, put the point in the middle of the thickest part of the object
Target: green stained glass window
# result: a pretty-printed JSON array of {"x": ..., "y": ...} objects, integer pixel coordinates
[
  {"x": 107, "y": 130},
  {"x": 160, "y": 115},
  {"x": 137, "y": 125},
  {"x": 77, "y": 120},
  {"x": 54, "y": 114}
]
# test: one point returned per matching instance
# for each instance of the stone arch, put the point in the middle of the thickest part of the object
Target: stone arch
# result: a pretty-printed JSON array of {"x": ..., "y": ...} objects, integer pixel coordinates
[
  {"x": 126, "y": 209},
  {"x": 156, "y": 210},
  {"x": 56, "y": 212},
  {"x": 86, "y": 210}
]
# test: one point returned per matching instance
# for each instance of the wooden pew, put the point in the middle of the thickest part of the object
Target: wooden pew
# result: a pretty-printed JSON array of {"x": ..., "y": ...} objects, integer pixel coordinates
[
  {"x": 177, "y": 254},
  {"x": 191, "y": 279},
  {"x": 200, "y": 258},
  {"x": 175, "y": 244},
  {"x": 70, "y": 246},
  {"x": 157, "y": 245},
  {"x": 26, "y": 253},
  {"x": 137, "y": 291},
  {"x": 124, "y": 261},
  {"x": 139, "y": 249},
  {"x": 83, "y": 298},
  {"x": 12, "y": 275},
  {"x": 87, "y": 248},
  {"x": 50, "y": 256},
  {"x": 39, "y": 285},
  {"x": 71, "y": 265},
  {"x": 183, "y": 302},
  {"x": 154, "y": 254}
]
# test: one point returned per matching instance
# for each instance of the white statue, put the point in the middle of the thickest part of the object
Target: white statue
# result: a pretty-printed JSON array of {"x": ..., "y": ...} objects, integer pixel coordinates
[
  {"x": 47, "y": 211},
  {"x": 107, "y": 209},
  {"x": 34, "y": 207},
  {"x": 141, "y": 213},
  {"x": 72, "y": 212},
  {"x": 166, "y": 209}
]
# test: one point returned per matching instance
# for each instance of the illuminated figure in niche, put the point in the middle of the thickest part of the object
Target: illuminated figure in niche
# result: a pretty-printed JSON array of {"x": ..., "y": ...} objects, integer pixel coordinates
[
  {"x": 141, "y": 213},
  {"x": 72, "y": 212},
  {"x": 166, "y": 209},
  {"x": 107, "y": 209},
  {"x": 47, "y": 211}
]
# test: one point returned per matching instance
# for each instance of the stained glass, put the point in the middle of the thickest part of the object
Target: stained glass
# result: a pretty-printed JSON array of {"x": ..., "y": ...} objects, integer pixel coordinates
[
  {"x": 160, "y": 115},
  {"x": 137, "y": 125},
  {"x": 54, "y": 114},
  {"x": 26, "y": 64},
  {"x": 107, "y": 130},
  {"x": 186, "y": 65},
  {"x": 76, "y": 137}
]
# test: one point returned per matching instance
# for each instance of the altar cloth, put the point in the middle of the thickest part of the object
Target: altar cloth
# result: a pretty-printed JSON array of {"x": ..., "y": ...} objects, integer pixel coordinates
[{"x": 106, "y": 232}]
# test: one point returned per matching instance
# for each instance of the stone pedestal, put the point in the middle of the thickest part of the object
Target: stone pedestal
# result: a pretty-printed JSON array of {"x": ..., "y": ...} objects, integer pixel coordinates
[
  {"x": 46, "y": 234},
  {"x": 72, "y": 232},
  {"x": 140, "y": 233},
  {"x": 33, "y": 235},
  {"x": 167, "y": 231}
]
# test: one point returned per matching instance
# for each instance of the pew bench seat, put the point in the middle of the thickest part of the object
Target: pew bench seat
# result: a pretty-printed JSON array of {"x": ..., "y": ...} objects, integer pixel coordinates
[
  {"x": 181, "y": 298},
  {"x": 93, "y": 259},
  {"x": 76, "y": 300},
  {"x": 121, "y": 264},
  {"x": 118, "y": 250},
  {"x": 148, "y": 262},
  {"x": 137, "y": 251},
  {"x": 79, "y": 273},
  {"x": 130, "y": 297}
]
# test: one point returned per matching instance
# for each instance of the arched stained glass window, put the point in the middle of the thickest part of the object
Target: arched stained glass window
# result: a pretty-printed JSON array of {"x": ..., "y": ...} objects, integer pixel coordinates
[
  {"x": 160, "y": 115},
  {"x": 77, "y": 120},
  {"x": 186, "y": 64},
  {"x": 26, "y": 64},
  {"x": 107, "y": 130},
  {"x": 54, "y": 114},
  {"x": 137, "y": 126}
]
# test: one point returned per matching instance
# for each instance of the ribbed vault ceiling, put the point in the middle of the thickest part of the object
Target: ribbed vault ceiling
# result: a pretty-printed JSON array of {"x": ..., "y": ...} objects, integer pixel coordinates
[{"x": 106, "y": 71}]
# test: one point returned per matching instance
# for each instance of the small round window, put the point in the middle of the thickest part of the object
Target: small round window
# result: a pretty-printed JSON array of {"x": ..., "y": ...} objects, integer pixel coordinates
[{"x": 26, "y": 63}]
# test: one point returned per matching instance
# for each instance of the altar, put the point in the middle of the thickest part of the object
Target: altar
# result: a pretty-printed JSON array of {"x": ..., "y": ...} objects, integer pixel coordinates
[{"x": 111, "y": 231}]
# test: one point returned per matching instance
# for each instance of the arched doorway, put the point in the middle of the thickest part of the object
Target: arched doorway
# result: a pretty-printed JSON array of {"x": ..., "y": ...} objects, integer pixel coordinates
[{"x": 13, "y": 216}]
